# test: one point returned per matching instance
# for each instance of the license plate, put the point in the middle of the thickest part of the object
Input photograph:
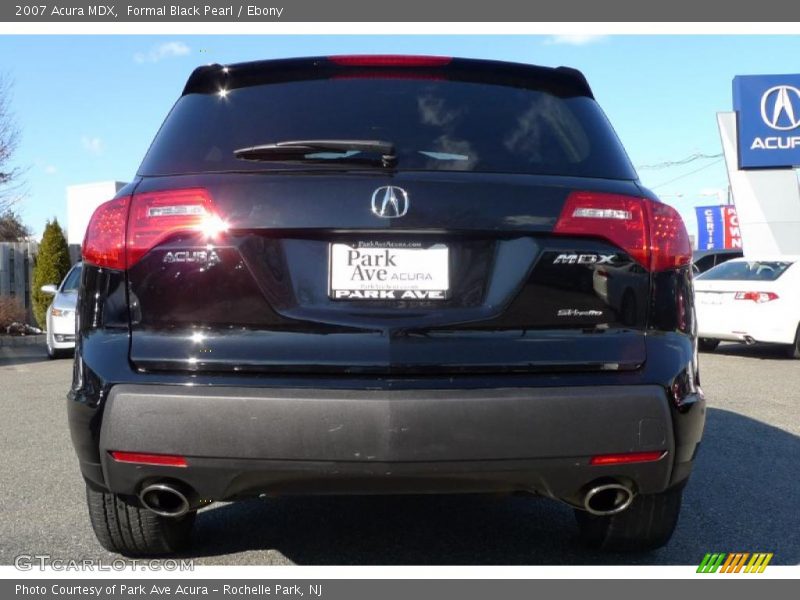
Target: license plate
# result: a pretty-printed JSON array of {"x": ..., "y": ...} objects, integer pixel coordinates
[
  {"x": 389, "y": 271},
  {"x": 709, "y": 298}
]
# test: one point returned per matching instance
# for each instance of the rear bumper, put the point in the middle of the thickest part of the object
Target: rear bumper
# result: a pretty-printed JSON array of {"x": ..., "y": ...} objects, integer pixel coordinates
[
  {"x": 61, "y": 332},
  {"x": 59, "y": 341},
  {"x": 748, "y": 335},
  {"x": 246, "y": 441},
  {"x": 743, "y": 324}
]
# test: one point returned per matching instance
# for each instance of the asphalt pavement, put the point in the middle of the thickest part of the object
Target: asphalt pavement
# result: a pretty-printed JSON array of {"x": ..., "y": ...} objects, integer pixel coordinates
[{"x": 744, "y": 494}]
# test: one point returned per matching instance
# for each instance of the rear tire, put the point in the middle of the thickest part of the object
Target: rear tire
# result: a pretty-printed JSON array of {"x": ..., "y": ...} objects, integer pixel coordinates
[
  {"x": 646, "y": 525},
  {"x": 52, "y": 353},
  {"x": 707, "y": 344},
  {"x": 794, "y": 350},
  {"x": 122, "y": 526}
]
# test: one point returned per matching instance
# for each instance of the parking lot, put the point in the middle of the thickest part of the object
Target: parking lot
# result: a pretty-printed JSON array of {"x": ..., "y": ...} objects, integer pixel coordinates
[{"x": 744, "y": 494}]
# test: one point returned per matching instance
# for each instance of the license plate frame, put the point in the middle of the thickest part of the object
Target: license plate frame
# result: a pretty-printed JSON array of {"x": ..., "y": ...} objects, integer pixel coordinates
[{"x": 366, "y": 270}]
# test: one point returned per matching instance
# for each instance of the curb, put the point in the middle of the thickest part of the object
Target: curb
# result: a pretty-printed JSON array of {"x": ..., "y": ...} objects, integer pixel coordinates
[{"x": 22, "y": 340}]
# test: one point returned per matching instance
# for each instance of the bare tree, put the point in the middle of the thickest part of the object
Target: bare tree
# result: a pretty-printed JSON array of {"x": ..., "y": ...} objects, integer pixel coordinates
[
  {"x": 12, "y": 229},
  {"x": 9, "y": 139}
]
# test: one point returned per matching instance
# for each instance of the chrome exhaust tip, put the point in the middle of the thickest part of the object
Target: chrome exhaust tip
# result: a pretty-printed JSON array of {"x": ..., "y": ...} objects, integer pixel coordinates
[
  {"x": 166, "y": 500},
  {"x": 607, "y": 499}
]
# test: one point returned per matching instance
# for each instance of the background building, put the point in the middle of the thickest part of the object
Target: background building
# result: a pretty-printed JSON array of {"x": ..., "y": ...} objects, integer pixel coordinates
[
  {"x": 761, "y": 143},
  {"x": 81, "y": 201}
]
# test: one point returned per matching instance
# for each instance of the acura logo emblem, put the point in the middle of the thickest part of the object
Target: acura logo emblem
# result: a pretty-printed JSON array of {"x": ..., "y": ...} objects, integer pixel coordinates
[
  {"x": 389, "y": 202},
  {"x": 780, "y": 107}
]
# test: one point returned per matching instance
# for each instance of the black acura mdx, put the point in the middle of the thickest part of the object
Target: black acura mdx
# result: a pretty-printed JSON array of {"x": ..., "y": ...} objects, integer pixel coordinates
[{"x": 385, "y": 274}]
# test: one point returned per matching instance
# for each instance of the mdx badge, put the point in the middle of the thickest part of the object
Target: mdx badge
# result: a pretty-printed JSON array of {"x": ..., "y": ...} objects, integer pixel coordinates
[
  {"x": 389, "y": 202},
  {"x": 584, "y": 259}
]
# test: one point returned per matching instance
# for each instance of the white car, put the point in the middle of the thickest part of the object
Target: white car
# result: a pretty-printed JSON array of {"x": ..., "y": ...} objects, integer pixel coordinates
[
  {"x": 61, "y": 314},
  {"x": 750, "y": 300}
]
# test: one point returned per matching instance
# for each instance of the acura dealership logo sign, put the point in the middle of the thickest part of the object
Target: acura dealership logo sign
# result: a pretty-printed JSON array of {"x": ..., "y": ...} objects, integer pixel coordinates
[
  {"x": 389, "y": 202},
  {"x": 780, "y": 107},
  {"x": 768, "y": 120}
]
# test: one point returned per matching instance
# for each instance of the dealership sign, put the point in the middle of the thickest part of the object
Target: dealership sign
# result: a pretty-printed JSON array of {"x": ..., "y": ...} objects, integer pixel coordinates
[
  {"x": 768, "y": 116},
  {"x": 717, "y": 228}
]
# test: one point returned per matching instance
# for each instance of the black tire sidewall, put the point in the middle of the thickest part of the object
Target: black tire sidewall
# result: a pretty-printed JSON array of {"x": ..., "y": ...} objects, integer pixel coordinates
[
  {"x": 612, "y": 533},
  {"x": 707, "y": 344},
  {"x": 122, "y": 525},
  {"x": 794, "y": 349}
]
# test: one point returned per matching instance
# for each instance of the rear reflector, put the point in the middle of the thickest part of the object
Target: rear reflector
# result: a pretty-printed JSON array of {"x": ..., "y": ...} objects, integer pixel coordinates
[
  {"x": 652, "y": 233},
  {"x": 167, "y": 460},
  {"x": 759, "y": 297},
  {"x": 390, "y": 60},
  {"x": 626, "y": 458}
]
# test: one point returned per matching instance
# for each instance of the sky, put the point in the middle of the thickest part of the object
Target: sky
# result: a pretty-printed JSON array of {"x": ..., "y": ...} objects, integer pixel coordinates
[{"x": 88, "y": 106}]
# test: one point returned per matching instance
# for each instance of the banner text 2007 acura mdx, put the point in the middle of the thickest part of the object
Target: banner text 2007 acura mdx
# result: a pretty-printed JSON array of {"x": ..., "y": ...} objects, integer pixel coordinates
[{"x": 385, "y": 274}]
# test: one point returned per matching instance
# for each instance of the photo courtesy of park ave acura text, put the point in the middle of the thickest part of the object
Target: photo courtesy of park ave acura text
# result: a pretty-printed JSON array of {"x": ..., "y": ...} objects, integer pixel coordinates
[{"x": 379, "y": 300}]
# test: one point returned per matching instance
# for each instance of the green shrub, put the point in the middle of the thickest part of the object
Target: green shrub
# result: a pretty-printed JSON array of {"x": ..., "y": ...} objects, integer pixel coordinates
[{"x": 50, "y": 266}]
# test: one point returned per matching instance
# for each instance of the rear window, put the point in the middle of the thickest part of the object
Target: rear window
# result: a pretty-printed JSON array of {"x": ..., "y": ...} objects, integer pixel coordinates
[
  {"x": 434, "y": 124},
  {"x": 746, "y": 271}
]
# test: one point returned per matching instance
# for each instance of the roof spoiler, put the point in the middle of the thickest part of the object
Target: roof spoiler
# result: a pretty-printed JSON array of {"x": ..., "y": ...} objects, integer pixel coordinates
[{"x": 561, "y": 81}]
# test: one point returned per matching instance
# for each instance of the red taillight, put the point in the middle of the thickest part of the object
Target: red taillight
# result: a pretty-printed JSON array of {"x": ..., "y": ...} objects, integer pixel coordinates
[
  {"x": 626, "y": 458},
  {"x": 167, "y": 460},
  {"x": 156, "y": 215},
  {"x": 669, "y": 242},
  {"x": 390, "y": 60},
  {"x": 123, "y": 230},
  {"x": 619, "y": 219},
  {"x": 759, "y": 297},
  {"x": 652, "y": 233},
  {"x": 104, "y": 243}
]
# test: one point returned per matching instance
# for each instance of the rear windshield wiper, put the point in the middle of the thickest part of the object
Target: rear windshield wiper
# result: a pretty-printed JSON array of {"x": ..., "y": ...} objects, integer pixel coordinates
[{"x": 310, "y": 150}]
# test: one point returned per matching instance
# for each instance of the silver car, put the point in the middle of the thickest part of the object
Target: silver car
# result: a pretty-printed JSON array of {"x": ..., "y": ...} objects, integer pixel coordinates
[{"x": 61, "y": 314}]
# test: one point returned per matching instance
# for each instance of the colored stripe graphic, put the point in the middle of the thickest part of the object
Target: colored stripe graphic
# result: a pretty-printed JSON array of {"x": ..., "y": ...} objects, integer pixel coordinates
[
  {"x": 733, "y": 562},
  {"x": 766, "y": 562},
  {"x": 703, "y": 563},
  {"x": 711, "y": 562},
  {"x": 726, "y": 566},
  {"x": 740, "y": 564},
  {"x": 759, "y": 562}
]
